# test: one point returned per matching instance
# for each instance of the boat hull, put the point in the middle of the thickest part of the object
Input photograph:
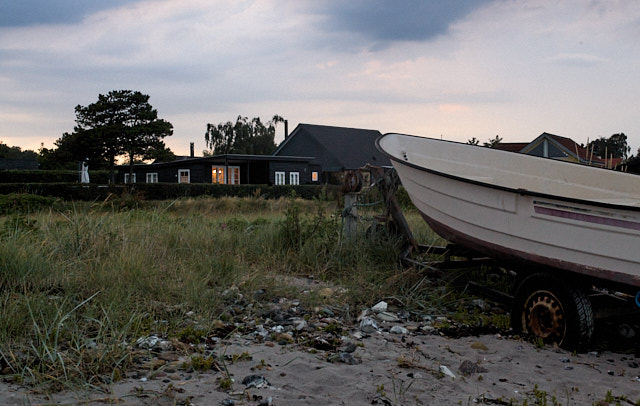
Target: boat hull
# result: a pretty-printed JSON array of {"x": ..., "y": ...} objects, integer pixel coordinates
[{"x": 517, "y": 225}]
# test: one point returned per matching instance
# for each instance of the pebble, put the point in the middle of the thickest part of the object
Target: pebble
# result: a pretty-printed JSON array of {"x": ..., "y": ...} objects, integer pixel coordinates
[
  {"x": 447, "y": 371},
  {"x": 266, "y": 402},
  {"x": 387, "y": 316},
  {"x": 479, "y": 346},
  {"x": 154, "y": 342},
  {"x": 349, "y": 359},
  {"x": 468, "y": 367},
  {"x": 368, "y": 325},
  {"x": 399, "y": 330},
  {"x": 380, "y": 307},
  {"x": 255, "y": 381}
]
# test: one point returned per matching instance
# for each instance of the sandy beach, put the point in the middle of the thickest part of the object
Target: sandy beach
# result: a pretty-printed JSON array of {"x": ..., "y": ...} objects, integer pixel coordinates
[{"x": 397, "y": 363}]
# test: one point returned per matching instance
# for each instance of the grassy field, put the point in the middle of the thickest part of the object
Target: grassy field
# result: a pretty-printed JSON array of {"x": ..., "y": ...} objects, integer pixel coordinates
[{"x": 79, "y": 283}]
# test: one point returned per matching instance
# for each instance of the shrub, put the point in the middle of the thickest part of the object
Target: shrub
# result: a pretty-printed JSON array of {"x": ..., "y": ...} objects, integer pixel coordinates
[
  {"x": 57, "y": 176},
  {"x": 21, "y": 203}
]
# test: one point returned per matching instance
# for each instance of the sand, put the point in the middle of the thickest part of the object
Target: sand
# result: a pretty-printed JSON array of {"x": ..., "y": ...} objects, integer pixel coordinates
[{"x": 416, "y": 368}]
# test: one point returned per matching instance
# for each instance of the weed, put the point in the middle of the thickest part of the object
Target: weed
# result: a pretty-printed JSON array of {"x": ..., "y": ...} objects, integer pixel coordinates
[
  {"x": 243, "y": 356},
  {"x": 225, "y": 384},
  {"x": 201, "y": 363},
  {"x": 191, "y": 335}
]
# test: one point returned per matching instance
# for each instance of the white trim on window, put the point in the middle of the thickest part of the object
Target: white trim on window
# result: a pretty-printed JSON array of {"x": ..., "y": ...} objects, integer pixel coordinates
[
  {"x": 152, "y": 177},
  {"x": 126, "y": 178},
  {"x": 279, "y": 178},
  {"x": 184, "y": 176},
  {"x": 233, "y": 174},
  {"x": 294, "y": 178}
]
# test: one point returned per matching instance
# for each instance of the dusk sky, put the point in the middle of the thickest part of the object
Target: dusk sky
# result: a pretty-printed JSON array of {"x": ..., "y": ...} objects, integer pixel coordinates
[{"x": 455, "y": 69}]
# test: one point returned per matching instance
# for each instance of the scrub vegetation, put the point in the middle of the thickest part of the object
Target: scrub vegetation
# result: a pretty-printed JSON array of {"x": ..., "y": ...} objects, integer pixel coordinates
[{"x": 81, "y": 282}]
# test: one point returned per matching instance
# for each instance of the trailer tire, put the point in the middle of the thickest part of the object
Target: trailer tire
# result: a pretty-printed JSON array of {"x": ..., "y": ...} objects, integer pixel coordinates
[{"x": 549, "y": 308}]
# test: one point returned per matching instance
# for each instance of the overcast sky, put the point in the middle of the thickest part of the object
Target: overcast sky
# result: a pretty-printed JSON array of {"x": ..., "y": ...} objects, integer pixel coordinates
[{"x": 454, "y": 69}]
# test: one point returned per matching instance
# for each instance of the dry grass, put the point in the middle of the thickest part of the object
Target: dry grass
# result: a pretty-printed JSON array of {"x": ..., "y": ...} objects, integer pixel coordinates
[{"x": 79, "y": 285}]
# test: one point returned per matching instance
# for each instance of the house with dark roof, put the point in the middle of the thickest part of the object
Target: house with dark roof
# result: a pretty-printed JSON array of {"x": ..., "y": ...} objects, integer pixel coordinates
[
  {"x": 232, "y": 169},
  {"x": 334, "y": 149},
  {"x": 311, "y": 154},
  {"x": 556, "y": 147}
]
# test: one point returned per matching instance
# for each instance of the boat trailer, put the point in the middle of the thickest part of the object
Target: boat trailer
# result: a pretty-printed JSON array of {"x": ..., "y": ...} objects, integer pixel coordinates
[{"x": 543, "y": 304}]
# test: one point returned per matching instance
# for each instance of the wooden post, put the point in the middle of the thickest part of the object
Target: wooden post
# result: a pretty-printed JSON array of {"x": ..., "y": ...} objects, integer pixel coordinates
[{"x": 350, "y": 215}]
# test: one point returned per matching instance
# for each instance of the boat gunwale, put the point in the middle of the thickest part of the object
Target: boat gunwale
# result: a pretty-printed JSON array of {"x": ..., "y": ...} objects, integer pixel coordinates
[{"x": 520, "y": 191}]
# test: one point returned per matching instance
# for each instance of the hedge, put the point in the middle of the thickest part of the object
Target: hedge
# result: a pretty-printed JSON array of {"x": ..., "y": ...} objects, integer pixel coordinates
[
  {"x": 45, "y": 176},
  {"x": 164, "y": 191}
]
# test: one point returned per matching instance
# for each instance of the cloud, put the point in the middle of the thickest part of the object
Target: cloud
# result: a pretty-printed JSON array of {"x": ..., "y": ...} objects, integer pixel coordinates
[
  {"x": 385, "y": 21},
  {"x": 15, "y": 13},
  {"x": 584, "y": 60}
]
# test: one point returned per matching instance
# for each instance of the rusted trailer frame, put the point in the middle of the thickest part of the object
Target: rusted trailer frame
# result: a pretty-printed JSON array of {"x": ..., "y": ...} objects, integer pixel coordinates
[{"x": 540, "y": 300}]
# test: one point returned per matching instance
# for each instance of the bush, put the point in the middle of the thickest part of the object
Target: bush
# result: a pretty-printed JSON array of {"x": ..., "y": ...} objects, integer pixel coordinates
[
  {"x": 22, "y": 203},
  {"x": 42, "y": 176},
  {"x": 164, "y": 191}
]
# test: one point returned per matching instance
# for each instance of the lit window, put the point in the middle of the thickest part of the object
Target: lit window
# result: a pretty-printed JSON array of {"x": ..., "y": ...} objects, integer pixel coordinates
[
  {"x": 279, "y": 178},
  {"x": 217, "y": 174},
  {"x": 314, "y": 176},
  {"x": 126, "y": 178},
  {"x": 233, "y": 173},
  {"x": 184, "y": 176},
  {"x": 152, "y": 177},
  {"x": 294, "y": 178}
]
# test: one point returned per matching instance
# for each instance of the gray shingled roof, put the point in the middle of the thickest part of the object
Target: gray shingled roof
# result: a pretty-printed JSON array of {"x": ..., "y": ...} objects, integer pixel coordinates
[{"x": 334, "y": 148}]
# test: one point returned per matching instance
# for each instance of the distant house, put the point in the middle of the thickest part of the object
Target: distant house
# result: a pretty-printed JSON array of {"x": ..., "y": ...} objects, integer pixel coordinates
[
  {"x": 233, "y": 169},
  {"x": 312, "y": 154},
  {"x": 557, "y": 147},
  {"x": 334, "y": 149}
]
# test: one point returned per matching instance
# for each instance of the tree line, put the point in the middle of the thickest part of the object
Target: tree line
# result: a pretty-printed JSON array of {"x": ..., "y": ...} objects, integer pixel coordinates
[
  {"x": 615, "y": 146},
  {"x": 123, "y": 124}
]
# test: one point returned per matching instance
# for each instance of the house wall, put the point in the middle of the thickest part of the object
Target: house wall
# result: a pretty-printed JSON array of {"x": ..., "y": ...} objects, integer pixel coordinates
[
  {"x": 304, "y": 170},
  {"x": 251, "y": 171}
]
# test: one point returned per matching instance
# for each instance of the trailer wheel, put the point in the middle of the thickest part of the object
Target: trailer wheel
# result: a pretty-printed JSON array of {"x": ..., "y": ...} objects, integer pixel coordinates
[{"x": 548, "y": 308}]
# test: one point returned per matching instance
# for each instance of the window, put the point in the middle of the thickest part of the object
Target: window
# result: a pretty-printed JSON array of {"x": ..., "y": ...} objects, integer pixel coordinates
[
  {"x": 126, "y": 178},
  {"x": 234, "y": 175},
  {"x": 279, "y": 178},
  {"x": 294, "y": 178},
  {"x": 184, "y": 176},
  {"x": 152, "y": 177},
  {"x": 217, "y": 174},
  {"x": 314, "y": 176}
]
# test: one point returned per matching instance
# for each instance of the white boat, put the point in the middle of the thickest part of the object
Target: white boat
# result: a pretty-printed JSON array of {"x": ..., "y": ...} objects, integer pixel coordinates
[{"x": 537, "y": 212}]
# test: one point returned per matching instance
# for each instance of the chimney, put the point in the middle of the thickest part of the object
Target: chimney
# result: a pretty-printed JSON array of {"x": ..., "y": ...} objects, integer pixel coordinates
[
  {"x": 192, "y": 152},
  {"x": 286, "y": 129}
]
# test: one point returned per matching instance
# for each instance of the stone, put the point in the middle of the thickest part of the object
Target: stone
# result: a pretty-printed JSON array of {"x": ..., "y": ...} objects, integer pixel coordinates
[
  {"x": 468, "y": 367},
  {"x": 368, "y": 325},
  {"x": 479, "y": 346},
  {"x": 380, "y": 307},
  {"x": 255, "y": 381},
  {"x": 399, "y": 330},
  {"x": 447, "y": 371},
  {"x": 387, "y": 316}
]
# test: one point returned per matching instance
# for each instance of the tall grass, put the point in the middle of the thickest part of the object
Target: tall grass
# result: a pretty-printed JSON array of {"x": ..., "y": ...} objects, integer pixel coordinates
[{"x": 79, "y": 284}]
